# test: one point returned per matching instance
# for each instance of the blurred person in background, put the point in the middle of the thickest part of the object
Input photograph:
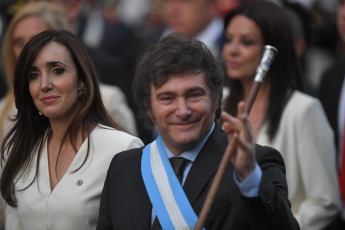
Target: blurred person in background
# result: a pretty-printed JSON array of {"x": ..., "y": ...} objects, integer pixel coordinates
[
  {"x": 195, "y": 18},
  {"x": 321, "y": 50},
  {"x": 319, "y": 21},
  {"x": 133, "y": 12},
  {"x": 332, "y": 97},
  {"x": 3, "y": 25},
  {"x": 98, "y": 25},
  {"x": 299, "y": 18},
  {"x": 327, "y": 5},
  {"x": 224, "y": 6},
  {"x": 281, "y": 114}
]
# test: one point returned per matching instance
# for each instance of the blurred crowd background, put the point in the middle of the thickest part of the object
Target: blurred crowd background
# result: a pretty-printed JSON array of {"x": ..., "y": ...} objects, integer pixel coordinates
[{"x": 117, "y": 32}]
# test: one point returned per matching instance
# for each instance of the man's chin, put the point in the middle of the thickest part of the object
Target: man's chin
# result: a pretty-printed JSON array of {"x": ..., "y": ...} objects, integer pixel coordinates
[{"x": 186, "y": 142}]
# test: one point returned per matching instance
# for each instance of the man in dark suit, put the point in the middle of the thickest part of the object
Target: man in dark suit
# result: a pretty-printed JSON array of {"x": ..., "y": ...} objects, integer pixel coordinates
[
  {"x": 331, "y": 87},
  {"x": 329, "y": 94},
  {"x": 332, "y": 96},
  {"x": 178, "y": 86},
  {"x": 332, "y": 80}
]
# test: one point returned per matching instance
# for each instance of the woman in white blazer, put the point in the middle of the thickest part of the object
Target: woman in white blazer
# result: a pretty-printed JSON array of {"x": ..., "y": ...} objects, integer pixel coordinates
[
  {"x": 282, "y": 117},
  {"x": 57, "y": 154}
]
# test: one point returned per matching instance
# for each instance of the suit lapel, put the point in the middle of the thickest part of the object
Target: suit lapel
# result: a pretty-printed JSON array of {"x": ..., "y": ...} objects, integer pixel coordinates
[
  {"x": 143, "y": 207},
  {"x": 205, "y": 165}
]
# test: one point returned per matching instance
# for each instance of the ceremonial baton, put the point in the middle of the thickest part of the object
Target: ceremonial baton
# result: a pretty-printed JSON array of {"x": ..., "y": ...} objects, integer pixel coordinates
[{"x": 269, "y": 53}]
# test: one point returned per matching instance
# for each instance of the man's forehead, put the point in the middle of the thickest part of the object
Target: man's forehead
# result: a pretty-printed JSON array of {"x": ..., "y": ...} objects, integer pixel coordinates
[{"x": 182, "y": 79}]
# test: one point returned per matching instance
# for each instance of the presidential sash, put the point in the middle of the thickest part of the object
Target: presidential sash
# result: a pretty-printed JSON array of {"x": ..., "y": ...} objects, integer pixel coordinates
[{"x": 166, "y": 194}]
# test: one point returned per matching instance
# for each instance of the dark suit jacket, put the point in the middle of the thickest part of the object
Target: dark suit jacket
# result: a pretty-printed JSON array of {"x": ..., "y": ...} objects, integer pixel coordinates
[
  {"x": 329, "y": 93},
  {"x": 125, "y": 203}
]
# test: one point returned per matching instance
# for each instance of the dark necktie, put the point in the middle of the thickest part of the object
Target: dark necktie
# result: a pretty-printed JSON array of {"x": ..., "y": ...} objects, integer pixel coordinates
[{"x": 178, "y": 164}]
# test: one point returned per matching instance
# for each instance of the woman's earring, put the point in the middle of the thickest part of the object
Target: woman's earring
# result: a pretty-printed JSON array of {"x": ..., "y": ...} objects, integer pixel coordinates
[
  {"x": 39, "y": 113},
  {"x": 81, "y": 89}
]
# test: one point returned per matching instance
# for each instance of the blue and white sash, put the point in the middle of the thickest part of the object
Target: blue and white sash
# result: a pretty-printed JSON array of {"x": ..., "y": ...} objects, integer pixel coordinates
[{"x": 166, "y": 194}]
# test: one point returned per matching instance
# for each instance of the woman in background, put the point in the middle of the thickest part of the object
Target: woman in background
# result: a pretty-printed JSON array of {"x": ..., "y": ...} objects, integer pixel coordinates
[
  {"x": 282, "y": 116},
  {"x": 58, "y": 151}
]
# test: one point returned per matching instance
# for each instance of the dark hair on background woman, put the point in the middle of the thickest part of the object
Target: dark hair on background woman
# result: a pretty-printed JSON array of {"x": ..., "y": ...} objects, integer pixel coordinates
[
  {"x": 284, "y": 75},
  {"x": 30, "y": 127}
]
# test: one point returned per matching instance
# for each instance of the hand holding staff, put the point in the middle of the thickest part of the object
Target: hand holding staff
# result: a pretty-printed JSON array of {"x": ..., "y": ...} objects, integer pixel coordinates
[
  {"x": 242, "y": 136},
  {"x": 239, "y": 131}
]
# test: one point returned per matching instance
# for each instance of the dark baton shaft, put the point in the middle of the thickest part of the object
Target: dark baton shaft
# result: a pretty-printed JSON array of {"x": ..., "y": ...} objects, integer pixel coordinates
[{"x": 269, "y": 53}]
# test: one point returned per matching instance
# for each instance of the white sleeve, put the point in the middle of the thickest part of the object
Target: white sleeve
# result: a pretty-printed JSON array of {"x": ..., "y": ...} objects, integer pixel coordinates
[
  {"x": 116, "y": 104},
  {"x": 316, "y": 149}
]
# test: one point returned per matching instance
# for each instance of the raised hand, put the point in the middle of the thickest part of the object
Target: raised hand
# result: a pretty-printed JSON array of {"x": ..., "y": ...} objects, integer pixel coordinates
[{"x": 239, "y": 130}]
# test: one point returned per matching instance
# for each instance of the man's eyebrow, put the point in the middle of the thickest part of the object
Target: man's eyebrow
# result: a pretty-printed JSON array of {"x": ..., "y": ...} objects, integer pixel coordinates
[
  {"x": 165, "y": 93},
  {"x": 196, "y": 88},
  {"x": 190, "y": 90}
]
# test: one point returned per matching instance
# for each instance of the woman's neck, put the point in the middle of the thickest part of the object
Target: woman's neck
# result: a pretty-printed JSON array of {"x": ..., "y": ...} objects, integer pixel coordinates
[{"x": 60, "y": 125}]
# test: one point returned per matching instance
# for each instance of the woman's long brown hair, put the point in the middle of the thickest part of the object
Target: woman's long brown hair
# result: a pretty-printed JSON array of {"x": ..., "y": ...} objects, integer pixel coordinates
[{"x": 30, "y": 129}]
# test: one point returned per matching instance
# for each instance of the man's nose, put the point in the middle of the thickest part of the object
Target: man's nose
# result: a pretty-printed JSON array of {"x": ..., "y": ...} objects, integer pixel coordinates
[{"x": 183, "y": 109}]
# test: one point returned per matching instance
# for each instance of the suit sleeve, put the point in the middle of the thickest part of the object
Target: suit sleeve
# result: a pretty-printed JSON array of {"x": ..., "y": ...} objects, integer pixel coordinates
[
  {"x": 104, "y": 219},
  {"x": 272, "y": 209}
]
